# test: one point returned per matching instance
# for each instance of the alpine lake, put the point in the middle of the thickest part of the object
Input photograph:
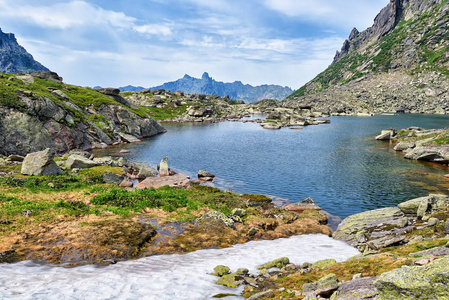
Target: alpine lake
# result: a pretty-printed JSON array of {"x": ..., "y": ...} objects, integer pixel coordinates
[{"x": 340, "y": 165}]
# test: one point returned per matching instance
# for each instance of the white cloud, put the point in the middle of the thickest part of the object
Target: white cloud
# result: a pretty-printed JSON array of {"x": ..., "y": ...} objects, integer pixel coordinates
[{"x": 359, "y": 13}]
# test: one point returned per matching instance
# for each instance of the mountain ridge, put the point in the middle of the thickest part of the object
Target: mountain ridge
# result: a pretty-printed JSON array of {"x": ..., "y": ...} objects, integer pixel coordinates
[
  {"x": 14, "y": 58},
  {"x": 401, "y": 63},
  {"x": 235, "y": 90}
]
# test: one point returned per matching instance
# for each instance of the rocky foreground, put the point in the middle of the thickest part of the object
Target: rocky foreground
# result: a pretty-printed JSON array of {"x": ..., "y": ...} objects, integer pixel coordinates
[
  {"x": 405, "y": 255},
  {"x": 80, "y": 209}
]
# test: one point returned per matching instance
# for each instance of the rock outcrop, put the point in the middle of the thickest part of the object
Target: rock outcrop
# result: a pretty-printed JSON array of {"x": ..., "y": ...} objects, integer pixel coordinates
[
  {"x": 426, "y": 282},
  {"x": 34, "y": 118},
  {"x": 14, "y": 58},
  {"x": 397, "y": 65}
]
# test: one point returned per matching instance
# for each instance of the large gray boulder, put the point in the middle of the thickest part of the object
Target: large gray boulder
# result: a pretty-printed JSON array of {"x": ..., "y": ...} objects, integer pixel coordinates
[
  {"x": 425, "y": 204},
  {"x": 426, "y": 282},
  {"x": 76, "y": 161},
  {"x": 438, "y": 154},
  {"x": 369, "y": 225},
  {"x": 40, "y": 163},
  {"x": 144, "y": 171},
  {"x": 358, "y": 289}
]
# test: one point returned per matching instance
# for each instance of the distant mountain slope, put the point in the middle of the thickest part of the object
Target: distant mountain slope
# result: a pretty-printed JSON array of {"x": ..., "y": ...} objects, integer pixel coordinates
[
  {"x": 131, "y": 88},
  {"x": 236, "y": 90},
  {"x": 400, "y": 63},
  {"x": 14, "y": 58}
]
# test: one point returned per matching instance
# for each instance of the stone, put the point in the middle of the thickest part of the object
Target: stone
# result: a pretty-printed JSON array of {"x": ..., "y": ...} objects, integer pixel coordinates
[
  {"x": 357, "y": 289},
  {"x": 240, "y": 212},
  {"x": 324, "y": 264},
  {"x": 374, "y": 223},
  {"x": 40, "y": 163},
  {"x": 27, "y": 79},
  {"x": 109, "y": 91},
  {"x": 144, "y": 171},
  {"x": 60, "y": 94},
  {"x": 386, "y": 241},
  {"x": 422, "y": 208},
  {"x": 404, "y": 222},
  {"x": 216, "y": 215},
  {"x": 178, "y": 181},
  {"x": 433, "y": 221},
  {"x": 112, "y": 178},
  {"x": 267, "y": 293},
  {"x": 402, "y": 146},
  {"x": 163, "y": 167},
  {"x": 252, "y": 231},
  {"x": 47, "y": 75},
  {"x": 425, "y": 282},
  {"x": 277, "y": 263},
  {"x": 446, "y": 226},
  {"x": 76, "y": 161},
  {"x": 221, "y": 270},
  {"x": 17, "y": 158},
  {"x": 323, "y": 287},
  {"x": 204, "y": 173},
  {"x": 232, "y": 280},
  {"x": 303, "y": 205},
  {"x": 386, "y": 134},
  {"x": 126, "y": 183}
]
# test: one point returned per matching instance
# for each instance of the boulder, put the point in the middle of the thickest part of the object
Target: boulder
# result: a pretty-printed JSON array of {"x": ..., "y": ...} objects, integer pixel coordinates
[
  {"x": 178, "y": 181},
  {"x": 386, "y": 134},
  {"x": 109, "y": 91},
  {"x": 204, "y": 173},
  {"x": 375, "y": 223},
  {"x": 277, "y": 263},
  {"x": 425, "y": 282},
  {"x": 303, "y": 205},
  {"x": 144, "y": 171},
  {"x": 358, "y": 289},
  {"x": 324, "y": 264},
  {"x": 438, "y": 154},
  {"x": 420, "y": 206},
  {"x": 47, "y": 75},
  {"x": 231, "y": 280},
  {"x": 217, "y": 216},
  {"x": 112, "y": 178},
  {"x": 17, "y": 158},
  {"x": 76, "y": 161},
  {"x": 163, "y": 167},
  {"x": 126, "y": 183},
  {"x": 220, "y": 271},
  {"x": 323, "y": 287},
  {"x": 40, "y": 163}
]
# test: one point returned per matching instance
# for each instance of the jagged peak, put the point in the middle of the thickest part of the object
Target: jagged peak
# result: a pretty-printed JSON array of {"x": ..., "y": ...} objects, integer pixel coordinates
[{"x": 206, "y": 76}]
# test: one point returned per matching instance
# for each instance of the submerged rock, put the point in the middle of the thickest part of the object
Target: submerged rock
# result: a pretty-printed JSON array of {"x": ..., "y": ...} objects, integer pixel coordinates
[{"x": 40, "y": 163}]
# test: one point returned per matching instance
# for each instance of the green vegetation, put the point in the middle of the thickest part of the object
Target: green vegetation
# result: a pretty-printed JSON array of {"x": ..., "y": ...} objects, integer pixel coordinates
[{"x": 166, "y": 113}]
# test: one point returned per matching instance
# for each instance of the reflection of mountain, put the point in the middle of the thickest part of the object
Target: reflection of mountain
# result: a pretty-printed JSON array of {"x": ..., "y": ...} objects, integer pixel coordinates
[
  {"x": 14, "y": 58},
  {"x": 236, "y": 90}
]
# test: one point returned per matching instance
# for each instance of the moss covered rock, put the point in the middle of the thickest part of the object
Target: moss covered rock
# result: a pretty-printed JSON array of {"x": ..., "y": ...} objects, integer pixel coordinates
[
  {"x": 231, "y": 280},
  {"x": 323, "y": 287},
  {"x": 427, "y": 282},
  {"x": 221, "y": 270},
  {"x": 277, "y": 263},
  {"x": 324, "y": 264}
]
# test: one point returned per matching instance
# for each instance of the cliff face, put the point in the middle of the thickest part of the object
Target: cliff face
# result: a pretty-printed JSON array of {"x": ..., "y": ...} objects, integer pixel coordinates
[
  {"x": 401, "y": 62},
  {"x": 38, "y": 111},
  {"x": 14, "y": 58},
  {"x": 236, "y": 90}
]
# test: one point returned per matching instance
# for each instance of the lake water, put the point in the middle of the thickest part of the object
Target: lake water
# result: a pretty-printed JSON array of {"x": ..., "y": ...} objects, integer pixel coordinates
[{"x": 340, "y": 165}]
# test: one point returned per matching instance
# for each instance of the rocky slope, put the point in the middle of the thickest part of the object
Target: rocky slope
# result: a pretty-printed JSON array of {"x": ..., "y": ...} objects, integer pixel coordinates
[
  {"x": 14, "y": 58},
  {"x": 38, "y": 111},
  {"x": 399, "y": 64},
  {"x": 236, "y": 90}
]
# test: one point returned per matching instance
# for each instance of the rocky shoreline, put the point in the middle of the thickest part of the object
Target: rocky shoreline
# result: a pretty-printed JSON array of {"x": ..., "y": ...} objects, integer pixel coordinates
[{"x": 88, "y": 209}]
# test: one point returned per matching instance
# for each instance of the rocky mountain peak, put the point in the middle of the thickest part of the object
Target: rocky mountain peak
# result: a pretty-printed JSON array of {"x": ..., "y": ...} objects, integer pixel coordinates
[
  {"x": 14, "y": 58},
  {"x": 206, "y": 77}
]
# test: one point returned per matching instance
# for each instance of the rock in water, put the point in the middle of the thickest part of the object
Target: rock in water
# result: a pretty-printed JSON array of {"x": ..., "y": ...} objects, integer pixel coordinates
[
  {"x": 163, "y": 167},
  {"x": 303, "y": 205},
  {"x": 205, "y": 175},
  {"x": 426, "y": 282},
  {"x": 40, "y": 163}
]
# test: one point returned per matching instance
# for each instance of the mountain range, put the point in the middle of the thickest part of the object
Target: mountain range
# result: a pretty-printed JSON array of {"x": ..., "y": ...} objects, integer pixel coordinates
[
  {"x": 14, "y": 58},
  {"x": 236, "y": 90},
  {"x": 401, "y": 63}
]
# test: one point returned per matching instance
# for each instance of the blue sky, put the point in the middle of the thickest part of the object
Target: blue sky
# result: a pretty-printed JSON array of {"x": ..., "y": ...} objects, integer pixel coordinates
[{"x": 149, "y": 42}]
